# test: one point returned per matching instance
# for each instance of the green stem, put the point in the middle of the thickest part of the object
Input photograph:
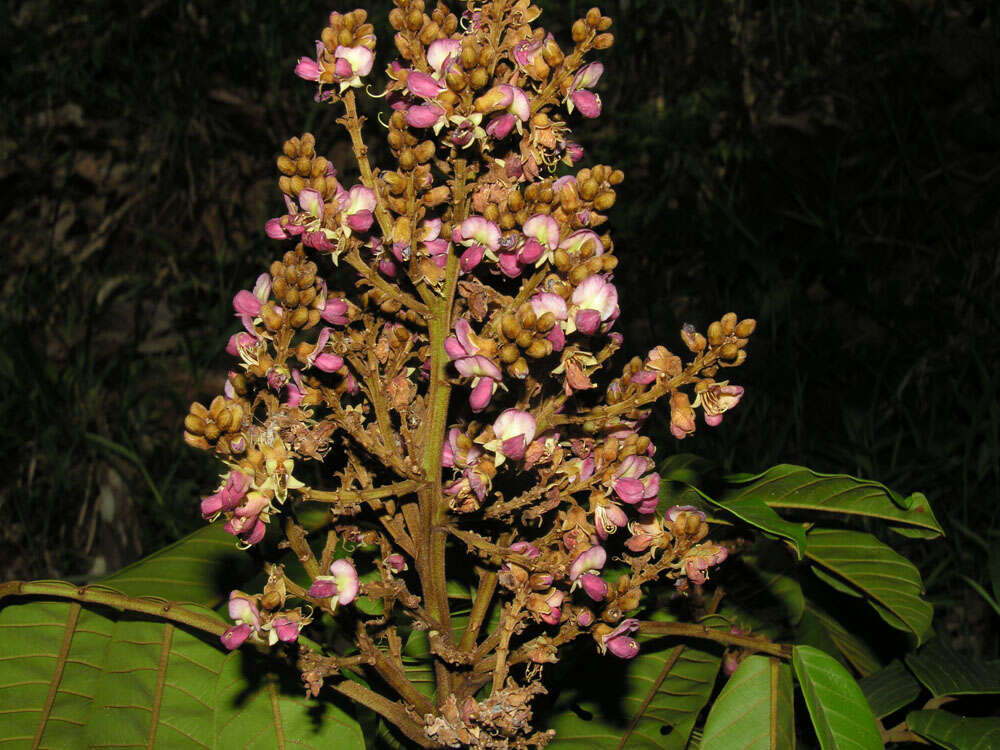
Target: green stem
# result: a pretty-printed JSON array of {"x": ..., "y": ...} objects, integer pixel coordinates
[
  {"x": 94, "y": 594},
  {"x": 694, "y": 630}
]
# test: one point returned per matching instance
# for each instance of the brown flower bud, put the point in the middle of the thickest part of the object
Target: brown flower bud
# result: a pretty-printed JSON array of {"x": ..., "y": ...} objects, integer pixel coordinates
[
  {"x": 604, "y": 41},
  {"x": 746, "y": 328},
  {"x": 194, "y": 424},
  {"x": 593, "y": 17},
  {"x": 604, "y": 200},
  {"x": 196, "y": 441},
  {"x": 520, "y": 368},
  {"x": 271, "y": 317},
  {"x": 300, "y": 317},
  {"x": 527, "y": 316},
  {"x": 510, "y": 326},
  {"x": 545, "y": 322},
  {"x": 479, "y": 78},
  {"x": 524, "y": 339},
  {"x": 578, "y": 274},
  {"x": 539, "y": 348},
  {"x": 729, "y": 351},
  {"x": 715, "y": 333},
  {"x": 286, "y": 166},
  {"x": 509, "y": 353},
  {"x": 579, "y": 30},
  {"x": 729, "y": 322},
  {"x": 429, "y": 33},
  {"x": 437, "y": 196}
]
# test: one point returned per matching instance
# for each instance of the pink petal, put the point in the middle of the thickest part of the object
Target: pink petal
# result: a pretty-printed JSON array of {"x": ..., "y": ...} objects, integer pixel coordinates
[{"x": 236, "y": 636}]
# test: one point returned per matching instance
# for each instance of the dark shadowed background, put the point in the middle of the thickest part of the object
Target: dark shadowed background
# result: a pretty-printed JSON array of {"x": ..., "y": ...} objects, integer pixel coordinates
[{"x": 830, "y": 168}]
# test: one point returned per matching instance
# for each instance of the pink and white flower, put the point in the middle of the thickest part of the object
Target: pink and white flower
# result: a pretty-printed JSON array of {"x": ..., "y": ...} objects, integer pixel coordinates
[
  {"x": 243, "y": 611},
  {"x": 513, "y": 430},
  {"x": 342, "y": 583},
  {"x": 464, "y": 349},
  {"x": 579, "y": 95},
  {"x": 595, "y": 303}
]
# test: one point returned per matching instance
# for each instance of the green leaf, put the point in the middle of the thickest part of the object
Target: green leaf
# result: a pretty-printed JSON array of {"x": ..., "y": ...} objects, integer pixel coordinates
[
  {"x": 752, "y": 510},
  {"x": 840, "y": 714},
  {"x": 890, "y": 689},
  {"x": 754, "y": 710},
  {"x": 797, "y": 488},
  {"x": 955, "y": 732},
  {"x": 888, "y": 580},
  {"x": 854, "y": 649},
  {"x": 203, "y": 568},
  {"x": 946, "y": 672},
  {"x": 660, "y": 694},
  {"x": 76, "y": 676}
]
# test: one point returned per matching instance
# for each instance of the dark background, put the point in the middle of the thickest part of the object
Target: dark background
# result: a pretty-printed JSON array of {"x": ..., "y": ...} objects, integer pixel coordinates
[{"x": 830, "y": 168}]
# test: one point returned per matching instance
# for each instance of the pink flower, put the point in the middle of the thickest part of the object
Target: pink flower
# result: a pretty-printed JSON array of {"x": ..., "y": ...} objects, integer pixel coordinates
[
  {"x": 514, "y": 104},
  {"x": 619, "y": 641},
  {"x": 426, "y": 116},
  {"x": 579, "y": 96},
  {"x": 358, "y": 209},
  {"x": 700, "y": 558},
  {"x": 588, "y": 560},
  {"x": 284, "y": 630},
  {"x": 596, "y": 303},
  {"x": 464, "y": 349},
  {"x": 455, "y": 454},
  {"x": 343, "y": 583},
  {"x": 335, "y": 312},
  {"x": 395, "y": 562},
  {"x": 554, "y": 600},
  {"x": 228, "y": 496},
  {"x": 321, "y": 360},
  {"x": 479, "y": 231},
  {"x": 310, "y": 69},
  {"x": 608, "y": 518},
  {"x": 514, "y": 429},
  {"x": 594, "y": 586},
  {"x": 351, "y": 64},
  {"x": 243, "y": 611},
  {"x": 246, "y": 522},
  {"x": 717, "y": 400},
  {"x": 525, "y": 548},
  {"x": 345, "y": 576},
  {"x": 442, "y": 54},
  {"x": 423, "y": 85}
]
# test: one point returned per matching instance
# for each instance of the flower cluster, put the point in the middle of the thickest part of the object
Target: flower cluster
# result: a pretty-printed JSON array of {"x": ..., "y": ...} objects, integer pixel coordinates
[{"x": 453, "y": 403}]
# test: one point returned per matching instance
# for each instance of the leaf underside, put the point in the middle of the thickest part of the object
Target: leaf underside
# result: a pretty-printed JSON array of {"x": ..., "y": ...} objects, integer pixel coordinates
[
  {"x": 792, "y": 487},
  {"x": 890, "y": 582},
  {"x": 840, "y": 714},
  {"x": 661, "y": 694},
  {"x": 76, "y": 676},
  {"x": 755, "y": 710}
]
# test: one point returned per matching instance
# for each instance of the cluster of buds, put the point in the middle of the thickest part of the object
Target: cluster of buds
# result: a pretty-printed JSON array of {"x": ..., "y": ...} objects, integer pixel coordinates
[{"x": 452, "y": 401}]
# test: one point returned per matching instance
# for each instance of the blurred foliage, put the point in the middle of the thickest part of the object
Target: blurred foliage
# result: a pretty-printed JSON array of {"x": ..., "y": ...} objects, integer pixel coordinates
[{"x": 830, "y": 168}]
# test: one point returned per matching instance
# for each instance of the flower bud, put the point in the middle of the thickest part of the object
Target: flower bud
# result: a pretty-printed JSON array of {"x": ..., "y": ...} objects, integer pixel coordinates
[
  {"x": 715, "y": 333},
  {"x": 746, "y": 328}
]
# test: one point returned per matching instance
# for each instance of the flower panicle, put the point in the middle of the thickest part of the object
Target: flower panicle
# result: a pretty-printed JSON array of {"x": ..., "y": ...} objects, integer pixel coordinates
[{"x": 460, "y": 387}]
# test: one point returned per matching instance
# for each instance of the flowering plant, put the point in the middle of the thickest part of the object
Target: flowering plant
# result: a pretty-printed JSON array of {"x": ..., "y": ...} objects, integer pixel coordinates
[
  {"x": 487, "y": 500},
  {"x": 452, "y": 401}
]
